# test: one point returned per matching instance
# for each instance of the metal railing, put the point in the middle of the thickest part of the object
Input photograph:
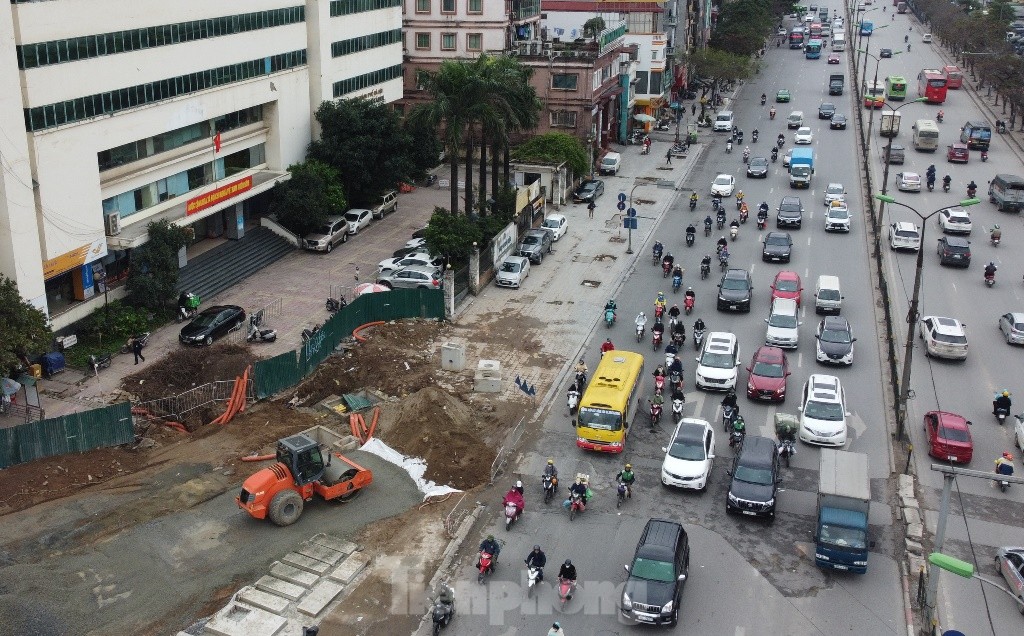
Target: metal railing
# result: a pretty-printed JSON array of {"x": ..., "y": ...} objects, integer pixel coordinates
[
  {"x": 270, "y": 311},
  {"x": 179, "y": 407},
  {"x": 501, "y": 458},
  {"x": 23, "y": 412},
  {"x": 454, "y": 518}
]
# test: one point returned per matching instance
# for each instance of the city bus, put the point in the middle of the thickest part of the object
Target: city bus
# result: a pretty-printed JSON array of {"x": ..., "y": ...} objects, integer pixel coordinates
[
  {"x": 813, "y": 49},
  {"x": 866, "y": 27},
  {"x": 931, "y": 84},
  {"x": 926, "y": 135},
  {"x": 610, "y": 402},
  {"x": 796, "y": 38},
  {"x": 839, "y": 42},
  {"x": 954, "y": 76},
  {"x": 815, "y": 30},
  {"x": 895, "y": 88},
  {"x": 874, "y": 95}
]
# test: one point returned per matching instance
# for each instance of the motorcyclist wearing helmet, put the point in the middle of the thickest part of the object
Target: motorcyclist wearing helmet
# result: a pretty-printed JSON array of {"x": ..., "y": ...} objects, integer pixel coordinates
[
  {"x": 708, "y": 221},
  {"x": 610, "y": 305},
  {"x": 537, "y": 559},
  {"x": 550, "y": 470},
  {"x": 627, "y": 477},
  {"x": 996, "y": 233},
  {"x": 490, "y": 546},
  {"x": 668, "y": 260},
  {"x": 568, "y": 573},
  {"x": 721, "y": 245},
  {"x": 677, "y": 272},
  {"x": 705, "y": 263},
  {"x": 641, "y": 319},
  {"x": 762, "y": 210},
  {"x": 723, "y": 256},
  {"x": 676, "y": 368},
  {"x": 578, "y": 487},
  {"x": 1002, "y": 402},
  {"x": 673, "y": 312},
  {"x": 691, "y": 231},
  {"x": 660, "y": 301},
  {"x": 1004, "y": 464},
  {"x": 658, "y": 249},
  {"x": 678, "y": 328},
  {"x": 730, "y": 401},
  {"x": 698, "y": 325},
  {"x": 946, "y": 180},
  {"x": 990, "y": 270},
  {"x": 658, "y": 328},
  {"x": 693, "y": 198},
  {"x": 734, "y": 224},
  {"x": 739, "y": 194},
  {"x": 720, "y": 217}
]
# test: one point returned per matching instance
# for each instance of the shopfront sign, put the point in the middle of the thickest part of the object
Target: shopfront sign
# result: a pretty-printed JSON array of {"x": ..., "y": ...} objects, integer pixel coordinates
[
  {"x": 203, "y": 201},
  {"x": 75, "y": 258}
]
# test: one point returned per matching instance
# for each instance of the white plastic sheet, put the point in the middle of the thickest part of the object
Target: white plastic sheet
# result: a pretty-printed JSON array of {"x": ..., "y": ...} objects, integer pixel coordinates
[{"x": 415, "y": 466}]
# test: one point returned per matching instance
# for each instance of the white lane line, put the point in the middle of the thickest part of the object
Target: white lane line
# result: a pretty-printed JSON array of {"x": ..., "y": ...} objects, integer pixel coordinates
[
  {"x": 768, "y": 428},
  {"x": 808, "y": 240},
  {"x": 807, "y": 272},
  {"x": 800, "y": 359}
]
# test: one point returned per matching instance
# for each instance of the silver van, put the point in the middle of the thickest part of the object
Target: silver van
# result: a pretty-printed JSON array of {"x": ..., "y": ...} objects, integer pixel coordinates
[
  {"x": 795, "y": 119},
  {"x": 1007, "y": 192},
  {"x": 828, "y": 298}
]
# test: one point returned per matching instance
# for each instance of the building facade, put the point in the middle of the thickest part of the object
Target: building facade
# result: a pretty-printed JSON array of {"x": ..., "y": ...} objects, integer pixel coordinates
[{"x": 188, "y": 111}]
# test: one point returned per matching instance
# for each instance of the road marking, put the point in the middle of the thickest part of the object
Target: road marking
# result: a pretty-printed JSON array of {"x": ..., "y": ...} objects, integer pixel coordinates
[
  {"x": 800, "y": 360},
  {"x": 807, "y": 272},
  {"x": 808, "y": 240}
]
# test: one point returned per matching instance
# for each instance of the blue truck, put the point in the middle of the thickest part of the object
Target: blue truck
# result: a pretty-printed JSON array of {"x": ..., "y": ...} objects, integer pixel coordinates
[
  {"x": 801, "y": 168},
  {"x": 844, "y": 497}
]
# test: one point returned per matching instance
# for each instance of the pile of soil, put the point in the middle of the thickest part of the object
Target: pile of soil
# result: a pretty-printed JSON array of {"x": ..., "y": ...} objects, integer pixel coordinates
[{"x": 187, "y": 368}]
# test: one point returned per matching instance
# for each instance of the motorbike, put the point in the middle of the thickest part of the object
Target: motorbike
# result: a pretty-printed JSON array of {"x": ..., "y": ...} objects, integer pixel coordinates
[
  {"x": 549, "y": 484},
  {"x": 698, "y": 338},
  {"x": 621, "y": 493},
  {"x": 753, "y": 137},
  {"x": 728, "y": 146},
  {"x": 532, "y": 576},
  {"x": 1003, "y": 485},
  {"x": 666, "y": 268},
  {"x": 659, "y": 384},
  {"x": 442, "y": 614},
  {"x": 659, "y": 311},
  {"x": 655, "y": 415},
  {"x": 1001, "y": 413},
  {"x": 664, "y": 124},
  {"x": 721, "y": 221},
  {"x": 335, "y": 305},
  {"x": 931, "y": 184},
  {"x": 945, "y": 186},
  {"x": 690, "y": 238},
  {"x": 716, "y": 203},
  {"x": 739, "y": 203},
  {"x": 656, "y": 337},
  {"x": 723, "y": 260},
  {"x": 639, "y": 333},
  {"x": 738, "y": 433},
  {"x": 693, "y": 204},
  {"x": 646, "y": 149},
  {"x": 764, "y": 100},
  {"x": 728, "y": 413},
  {"x": 511, "y": 514},
  {"x": 677, "y": 339},
  {"x": 781, "y": 141},
  {"x": 707, "y": 229},
  {"x": 688, "y": 304},
  {"x": 566, "y": 588},
  {"x": 139, "y": 337},
  {"x": 309, "y": 332},
  {"x": 984, "y": 155},
  {"x": 576, "y": 505},
  {"x": 677, "y": 409},
  {"x": 775, "y": 155},
  {"x": 656, "y": 253},
  {"x": 705, "y": 270},
  {"x": 609, "y": 317},
  {"x": 256, "y": 331},
  {"x": 939, "y": 116},
  {"x": 971, "y": 192},
  {"x": 786, "y": 450},
  {"x": 746, "y": 157},
  {"x": 189, "y": 309},
  {"x": 990, "y": 279},
  {"x": 581, "y": 378},
  {"x": 485, "y": 565},
  {"x": 994, "y": 240},
  {"x": 744, "y": 215},
  {"x": 677, "y": 282},
  {"x": 101, "y": 361},
  {"x": 762, "y": 221},
  {"x": 573, "y": 401},
  {"x": 771, "y": 114},
  {"x": 734, "y": 231},
  {"x": 785, "y": 430}
]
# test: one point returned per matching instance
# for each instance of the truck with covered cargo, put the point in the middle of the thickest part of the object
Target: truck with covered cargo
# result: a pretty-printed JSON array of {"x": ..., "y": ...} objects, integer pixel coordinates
[
  {"x": 844, "y": 497},
  {"x": 801, "y": 168}
]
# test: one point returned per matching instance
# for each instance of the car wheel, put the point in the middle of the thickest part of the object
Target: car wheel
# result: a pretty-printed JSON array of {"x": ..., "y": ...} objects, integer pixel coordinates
[
  {"x": 675, "y": 617},
  {"x": 330, "y": 246},
  {"x": 386, "y": 284},
  {"x": 208, "y": 340},
  {"x": 344, "y": 237}
]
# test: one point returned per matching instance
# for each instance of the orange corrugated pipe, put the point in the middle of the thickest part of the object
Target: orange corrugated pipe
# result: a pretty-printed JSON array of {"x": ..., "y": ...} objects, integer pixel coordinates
[
  {"x": 245, "y": 386},
  {"x": 258, "y": 458},
  {"x": 373, "y": 423},
  {"x": 226, "y": 416},
  {"x": 355, "y": 332}
]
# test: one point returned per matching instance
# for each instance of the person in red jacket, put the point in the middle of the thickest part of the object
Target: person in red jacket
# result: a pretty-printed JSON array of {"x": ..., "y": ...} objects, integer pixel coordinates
[{"x": 607, "y": 346}]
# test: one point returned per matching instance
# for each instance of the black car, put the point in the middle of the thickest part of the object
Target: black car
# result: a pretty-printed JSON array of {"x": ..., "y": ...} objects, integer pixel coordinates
[
  {"x": 735, "y": 290},
  {"x": 826, "y": 110},
  {"x": 654, "y": 588},
  {"x": 885, "y": 53},
  {"x": 837, "y": 122},
  {"x": 954, "y": 250},
  {"x": 791, "y": 213},
  {"x": 835, "y": 341},
  {"x": 211, "y": 324},
  {"x": 778, "y": 246},
  {"x": 758, "y": 167},
  {"x": 588, "y": 191},
  {"x": 755, "y": 479}
]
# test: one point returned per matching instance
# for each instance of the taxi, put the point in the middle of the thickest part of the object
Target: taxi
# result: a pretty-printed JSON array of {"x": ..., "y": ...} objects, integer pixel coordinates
[{"x": 957, "y": 153}]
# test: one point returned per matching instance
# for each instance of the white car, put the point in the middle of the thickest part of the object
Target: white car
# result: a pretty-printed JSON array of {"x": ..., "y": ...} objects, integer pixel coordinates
[
  {"x": 904, "y": 236},
  {"x": 358, "y": 219},
  {"x": 417, "y": 244},
  {"x": 834, "y": 192},
  {"x": 717, "y": 362},
  {"x": 823, "y": 411},
  {"x": 1018, "y": 429},
  {"x": 415, "y": 258},
  {"x": 837, "y": 217},
  {"x": 557, "y": 224},
  {"x": 803, "y": 135},
  {"x": 955, "y": 221},
  {"x": 908, "y": 182},
  {"x": 724, "y": 185},
  {"x": 690, "y": 455},
  {"x": 944, "y": 337},
  {"x": 786, "y": 157},
  {"x": 783, "y": 324}
]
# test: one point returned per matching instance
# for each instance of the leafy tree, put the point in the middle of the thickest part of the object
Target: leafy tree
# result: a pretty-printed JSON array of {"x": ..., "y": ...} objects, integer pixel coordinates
[
  {"x": 314, "y": 192},
  {"x": 593, "y": 27},
  {"x": 555, "y": 148},
  {"x": 366, "y": 144},
  {"x": 742, "y": 27},
  {"x": 153, "y": 275},
  {"x": 452, "y": 235},
  {"x": 425, "y": 147},
  {"x": 23, "y": 326},
  {"x": 719, "y": 67}
]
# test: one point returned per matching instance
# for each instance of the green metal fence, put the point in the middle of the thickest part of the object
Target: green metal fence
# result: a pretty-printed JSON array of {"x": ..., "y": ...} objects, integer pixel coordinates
[{"x": 77, "y": 432}]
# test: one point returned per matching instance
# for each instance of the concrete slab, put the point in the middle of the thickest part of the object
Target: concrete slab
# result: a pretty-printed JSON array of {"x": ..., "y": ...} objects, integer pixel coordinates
[
  {"x": 320, "y": 553},
  {"x": 263, "y": 600},
  {"x": 334, "y": 543},
  {"x": 284, "y": 589},
  {"x": 349, "y": 568},
  {"x": 293, "y": 574},
  {"x": 306, "y": 563},
  {"x": 320, "y": 597},
  {"x": 915, "y": 532},
  {"x": 241, "y": 620},
  {"x": 912, "y": 516}
]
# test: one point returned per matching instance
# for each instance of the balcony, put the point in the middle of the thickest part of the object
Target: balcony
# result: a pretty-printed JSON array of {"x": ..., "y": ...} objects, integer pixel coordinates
[{"x": 524, "y": 10}]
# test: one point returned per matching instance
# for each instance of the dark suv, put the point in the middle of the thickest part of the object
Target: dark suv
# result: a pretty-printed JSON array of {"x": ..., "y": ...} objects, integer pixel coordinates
[
  {"x": 735, "y": 290},
  {"x": 755, "y": 479},
  {"x": 791, "y": 213},
  {"x": 654, "y": 588},
  {"x": 954, "y": 250},
  {"x": 534, "y": 245}
]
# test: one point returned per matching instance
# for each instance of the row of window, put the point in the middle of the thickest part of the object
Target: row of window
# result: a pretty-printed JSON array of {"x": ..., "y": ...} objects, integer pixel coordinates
[
  {"x": 474, "y": 41},
  {"x": 563, "y": 119},
  {"x": 136, "y": 150},
  {"x": 348, "y": 7},
  {"x": 72, "y": 110},
  {"x": 365, "y": 42},
  {"x": 89, "y": 46},
  {"x": 344, "y": 87},
  {"x": 180, "y": 184},
  {"x": 449, "y": 6}
]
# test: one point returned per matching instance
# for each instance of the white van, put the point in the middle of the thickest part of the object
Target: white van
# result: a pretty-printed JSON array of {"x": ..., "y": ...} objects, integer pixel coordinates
[
  {"x": 610, "y": 163},
  {"x": 828, "y": 298},
  {"x": 795, "y": 119},
  {"x": 724, "y": 121}
]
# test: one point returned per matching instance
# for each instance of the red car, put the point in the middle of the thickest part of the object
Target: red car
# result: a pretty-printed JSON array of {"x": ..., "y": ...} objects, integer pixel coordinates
[
  {"x": 949, "y": 436},
  {"x": 958, "y": 153},
  {"x": 767, "y": 374},
  {"x": 833, "y": 58},
  {"x": 787, "y": 285}
]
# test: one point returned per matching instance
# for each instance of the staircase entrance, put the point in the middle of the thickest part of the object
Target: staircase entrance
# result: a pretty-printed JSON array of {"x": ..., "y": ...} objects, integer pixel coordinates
[{"x": 220, "y": 267}]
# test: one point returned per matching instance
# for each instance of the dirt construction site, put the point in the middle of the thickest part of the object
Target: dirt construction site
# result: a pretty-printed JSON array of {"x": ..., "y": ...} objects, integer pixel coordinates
[{"x": 425, "y": 412}]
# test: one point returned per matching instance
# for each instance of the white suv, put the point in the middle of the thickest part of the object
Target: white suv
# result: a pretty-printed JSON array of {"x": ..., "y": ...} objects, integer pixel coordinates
[
  {"x": 904, "y": 236},
  {"x": 724, "y": 121},
  {"x": 955, "y": 221},
  {"x": 716, "y": 365},
  {"x": 944, "y": 337},
  {"x": 823, "y": 411},
  {"x": 783, "y": 324}
]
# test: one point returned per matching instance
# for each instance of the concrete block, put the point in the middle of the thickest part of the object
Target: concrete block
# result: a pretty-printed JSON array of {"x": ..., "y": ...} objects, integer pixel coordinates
[
  {"x": 293, "y": 574},
  {"x": 241, "y": 620},
  {"x": 488, "y": 377},
  {"x": 306, "y": 563},
  {"x": 909, "y": 502},
  {"x": 320, "y": 597},
  {"x": 284, "y": 589},
  {"x": 263, "y": 600},
  {"x": 453, "y": 356},
  {"x": 488, "y": 368},
  {"x": 915, "y": 531},
  {"x": 913, "y": 547},
  {"x": 912, "y": 516},
  {"x": 334, "y": 543},
  {"x": 349, "y": 568},
  {"x": 487, "y": 385},
  {"x": 906, "y": 486},
  {"x": 915, "y": 563},
  {"x": 320, "y": 553}
]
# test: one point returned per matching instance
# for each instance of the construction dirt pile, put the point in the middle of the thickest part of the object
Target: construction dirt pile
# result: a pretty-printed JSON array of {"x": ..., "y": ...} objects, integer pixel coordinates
[{"x": 187, "y": 368}]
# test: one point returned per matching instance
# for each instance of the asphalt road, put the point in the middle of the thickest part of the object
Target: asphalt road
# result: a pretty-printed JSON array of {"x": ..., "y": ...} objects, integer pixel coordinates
[
  {"x": 736, "y": 564},
  {"x": 966, "y": 388}
]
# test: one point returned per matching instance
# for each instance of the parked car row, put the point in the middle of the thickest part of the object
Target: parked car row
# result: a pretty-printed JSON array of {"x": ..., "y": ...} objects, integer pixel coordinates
[{"x": 533, "y": 246}]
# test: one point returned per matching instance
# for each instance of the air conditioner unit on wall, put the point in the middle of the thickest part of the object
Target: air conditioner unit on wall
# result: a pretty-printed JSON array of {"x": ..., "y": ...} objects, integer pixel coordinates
[
  {"x": 112, "y": 223},
  {"x": 524, "y": 49}
]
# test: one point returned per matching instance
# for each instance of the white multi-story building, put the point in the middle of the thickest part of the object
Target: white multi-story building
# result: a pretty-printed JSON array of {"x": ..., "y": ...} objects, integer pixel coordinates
[{"x": 120, "y": 113}]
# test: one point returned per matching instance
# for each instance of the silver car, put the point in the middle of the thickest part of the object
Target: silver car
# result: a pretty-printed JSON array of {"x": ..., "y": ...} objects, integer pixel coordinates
[
  {"x": 332, "y": 232},
  {"x": 1010, "y": 563},
  {"x": 412, "y": 277},
  {"x": 908, "y": 182},
  {"x": 513, "y": 271},
  {"x": 1012, "y": 326}
]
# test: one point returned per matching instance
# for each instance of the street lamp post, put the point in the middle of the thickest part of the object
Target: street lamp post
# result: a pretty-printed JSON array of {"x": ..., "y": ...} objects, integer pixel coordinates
[
  {"x": 885, "y": 170},
  {"x": 901, "y": 420},
  {"x": 860, "y": 39}
]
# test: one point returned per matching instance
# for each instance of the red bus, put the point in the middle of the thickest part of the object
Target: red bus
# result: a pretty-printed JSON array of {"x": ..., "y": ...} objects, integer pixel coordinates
[
  {"x": 815, "y": 30},
  {"x": 931, "y": 84},
  {"x": 954, "y": 76}
]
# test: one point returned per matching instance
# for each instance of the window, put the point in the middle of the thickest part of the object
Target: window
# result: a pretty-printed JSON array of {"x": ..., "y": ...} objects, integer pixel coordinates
[
  {"x": 474, "y": 6},
  {"x": 422, "y": 41},
  {"x": 447, "y": 41},
  {"x": 422, "y": 6},
  {"x": 563, "y": 119},
  {"x": 447, "y": 6},
  {"x": 565, "y": 82},
  {"x": 474, "y": 41},
  {"x": 654, "y": 55},
  {"x": 656, "y": 80}
]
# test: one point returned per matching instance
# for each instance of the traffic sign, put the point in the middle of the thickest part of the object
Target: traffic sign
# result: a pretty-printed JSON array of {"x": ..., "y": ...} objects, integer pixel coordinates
[
  {"x": 622, "y": 197},
  {"x": 631, "y": 212},
  {"x": 621, "y": 206},
  {"x": 629, "y": 222}
]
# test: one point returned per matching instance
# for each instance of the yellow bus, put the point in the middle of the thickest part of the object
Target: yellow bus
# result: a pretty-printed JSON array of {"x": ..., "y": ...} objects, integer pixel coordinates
[{"x": 610, "y": 402}]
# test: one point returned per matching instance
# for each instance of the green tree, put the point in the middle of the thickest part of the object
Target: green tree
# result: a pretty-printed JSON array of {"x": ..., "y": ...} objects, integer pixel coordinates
[
  {"x": 23, "y": 327},
  {"x": 720, "y": 66},
  {"x": 366, "y": 144},
  {"x": 426, "y": 148},
  {"x": 153, "y": 276},
  {"x": 593, "y": 27},
  {"x": 742, "y": 27},
  {"x": 555, "y": 148},
  {"x": 314, "y": 192},
  {"x": 452, "y": 235}
]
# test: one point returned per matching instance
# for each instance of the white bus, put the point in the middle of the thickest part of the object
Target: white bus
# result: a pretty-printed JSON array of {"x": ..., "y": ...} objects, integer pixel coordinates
[
  {"x": 839, "y": 42},
  {"x": 926, "y": 135}
]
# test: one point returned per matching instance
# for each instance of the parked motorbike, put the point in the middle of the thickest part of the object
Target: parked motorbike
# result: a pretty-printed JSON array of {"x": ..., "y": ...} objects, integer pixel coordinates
[
  {"x": 442, "y": 613},
  {"x": 188, "y": 307},
  {"x": 335, "y": 305},
  {"x": 141, "y": 337},
  {"x": 101, "y": 361},
  {"x": 308, "y": 333},
  {"x": 256, "y": 331}
]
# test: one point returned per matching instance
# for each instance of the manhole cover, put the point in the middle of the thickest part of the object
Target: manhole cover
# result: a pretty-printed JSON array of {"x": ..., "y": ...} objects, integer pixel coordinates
[{"x": 591, "y": 283}]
